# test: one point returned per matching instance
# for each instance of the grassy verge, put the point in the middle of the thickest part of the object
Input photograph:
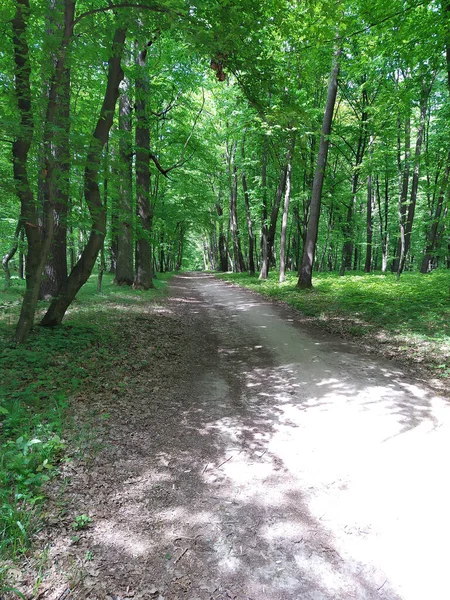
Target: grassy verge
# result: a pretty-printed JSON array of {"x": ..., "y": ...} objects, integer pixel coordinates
[
  {"x": 37, "y": 381},
  {"x": 409, "y": 318}
]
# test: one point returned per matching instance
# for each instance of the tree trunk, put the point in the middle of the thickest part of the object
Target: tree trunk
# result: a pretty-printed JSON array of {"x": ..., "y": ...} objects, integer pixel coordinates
[
  {"x": 305, "y": 278},
  {"x": 179, "y": 260},
  {"x": 21, "y": 255},
  {"x": 383, "y": 215},
  {"x": 264, "y": 225},
  {"x": 270, "y": 231},
  {"x": 124, "y": 264},
  {"x": 9, "y": 255},
  {"x": 404, "y": 186},
  {"x": 86, "y": 262},
  {"x": 348, "y": 246},
  {"x": 251, "y": 239},
  {"x": 432, "y": 235},
  {"x": 223, "y": 259},
  {"x": 234, "y": 226},
  {"x": 143, "y": 278},
  {"x": 287, "y": 198},
  {"x": 406, "y": 245},
  {"x": 38, "y": 237},
  {"x": 369, "y": 218},
  {"x": 55, "y": 271}
]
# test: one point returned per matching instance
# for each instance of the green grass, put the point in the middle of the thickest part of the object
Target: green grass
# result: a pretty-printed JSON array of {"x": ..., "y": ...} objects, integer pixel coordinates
[
  {"x": 37, "y": 380},
  {"x": 412, "y": 314}
]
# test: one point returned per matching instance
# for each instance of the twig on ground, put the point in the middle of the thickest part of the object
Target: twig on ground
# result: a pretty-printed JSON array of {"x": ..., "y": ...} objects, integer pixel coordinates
[
  {"x": 225, "y": 461},
  {"x": 181, "y": 556}
]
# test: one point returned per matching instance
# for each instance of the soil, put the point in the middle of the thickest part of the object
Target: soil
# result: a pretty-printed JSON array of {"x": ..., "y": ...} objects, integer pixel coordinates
[{"x": 248, "y": 457}]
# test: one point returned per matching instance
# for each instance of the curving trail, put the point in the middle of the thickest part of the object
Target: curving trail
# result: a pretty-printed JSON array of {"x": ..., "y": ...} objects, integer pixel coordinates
[{"x": 249, "y": 458}]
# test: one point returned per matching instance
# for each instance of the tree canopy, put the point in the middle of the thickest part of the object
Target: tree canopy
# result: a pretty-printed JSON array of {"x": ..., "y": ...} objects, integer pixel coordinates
[{"x": 155, "y": 136}]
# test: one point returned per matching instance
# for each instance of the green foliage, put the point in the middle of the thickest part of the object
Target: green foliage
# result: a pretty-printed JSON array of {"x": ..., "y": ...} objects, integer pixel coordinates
[
  {"x": 81, "y": 522},
  {"x": 37, "y": 382}
]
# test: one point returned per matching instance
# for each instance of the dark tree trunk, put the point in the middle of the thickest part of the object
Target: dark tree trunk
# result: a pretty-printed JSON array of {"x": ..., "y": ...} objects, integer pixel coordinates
[
  {"x": 383, "y": 214},
  {"x": 222, "y": 241},
  {"x": 309, "y": 250},
  {"x": 348, "y": 246},
  {"x": 251, "y": 239},
  {"x": 21, "y": 255},
  {"x": 114, "y": 241},
  {"x": 432, "y": 235},
  {"x": 55, "y": 183},
  {"x": 406, "y": 245},
  {"x": 268, "y": 241},
  {"x": 124, "y": 264},
  {"x": 38, "y": 237},
  {"x": 180, "y": 248},
  {"x": 143, "y": 278},
  {"x": 86, "y": 262}
]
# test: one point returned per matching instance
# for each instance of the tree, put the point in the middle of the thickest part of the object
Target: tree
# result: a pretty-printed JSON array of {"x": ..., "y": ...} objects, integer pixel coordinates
[{"x": 305, "y": 276}]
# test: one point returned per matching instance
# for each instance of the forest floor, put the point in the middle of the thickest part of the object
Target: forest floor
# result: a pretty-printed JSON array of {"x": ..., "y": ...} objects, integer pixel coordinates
[{"x": 244, "y": 454}]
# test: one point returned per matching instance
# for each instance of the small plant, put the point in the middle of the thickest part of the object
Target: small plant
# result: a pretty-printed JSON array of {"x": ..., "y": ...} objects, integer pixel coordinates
[{"x": 81, "y": 522}]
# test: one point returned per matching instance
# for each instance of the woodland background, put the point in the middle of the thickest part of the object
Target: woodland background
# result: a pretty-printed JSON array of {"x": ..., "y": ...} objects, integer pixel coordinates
[{"x": 227, "y": 136}]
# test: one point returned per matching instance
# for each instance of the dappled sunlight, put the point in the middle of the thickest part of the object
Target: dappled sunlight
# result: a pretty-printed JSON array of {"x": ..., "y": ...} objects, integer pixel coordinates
[
  {"x": 124, "y": 540},
  {"x": 278, "y": 467},
  {"x": 185, "y": 300}
]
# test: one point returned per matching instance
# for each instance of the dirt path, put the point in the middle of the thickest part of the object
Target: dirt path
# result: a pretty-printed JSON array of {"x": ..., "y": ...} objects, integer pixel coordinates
[{"x": 249, "y": 460}]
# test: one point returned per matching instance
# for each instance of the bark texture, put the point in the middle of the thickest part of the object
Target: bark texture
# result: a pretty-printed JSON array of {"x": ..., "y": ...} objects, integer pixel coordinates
[
  {"x": 83, "y": 268},
  {"x": 124, "y": 264},
  {"x": 309, "y": 249},
  {"x": 143, "y": 278}
]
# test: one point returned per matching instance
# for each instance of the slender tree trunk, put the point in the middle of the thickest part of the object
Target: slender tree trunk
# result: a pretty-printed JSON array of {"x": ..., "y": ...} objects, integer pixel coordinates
[
  {"x": 143, "y": 278},
  {"x": 101, "y": 269},
  {"x": 406, "y": 245},
  {"x": 305, "y": 278},
  {"x": 102, "y": 262},
  {"x": 348, "y": 246},
  {"x": 284, "y": 222},
  {"x": 404, "y": 187},
  {"x": 234, "y": 226},
  {"x": 124, "y": 265},
  {"x": 114, "y": 241},
  {"x": 251, "y": 240},
  {"x": 432, "y": 235},
  {"x": 264, "y": 225},
  {"x": 369, "y": 218},
  {"x": 86, "y": 262},
  {"x": 223, "y": 259},
  {"x": 9, "y": 255},
  {"x": 383, "y": 216},
  {"x": 269, "y": 234},
  {"x": 21, "y": 255},
  {"x": 179, "y": 260}
]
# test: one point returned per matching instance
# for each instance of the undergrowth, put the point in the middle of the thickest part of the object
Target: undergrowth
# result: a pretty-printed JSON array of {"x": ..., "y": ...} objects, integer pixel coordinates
[
  {"x": 411, "y": 316},
  {"x": 37, "y": 380}
]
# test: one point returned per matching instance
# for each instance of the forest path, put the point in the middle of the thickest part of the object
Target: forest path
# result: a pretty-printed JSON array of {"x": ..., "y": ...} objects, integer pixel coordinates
[{"x": 251, "y": 459}]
